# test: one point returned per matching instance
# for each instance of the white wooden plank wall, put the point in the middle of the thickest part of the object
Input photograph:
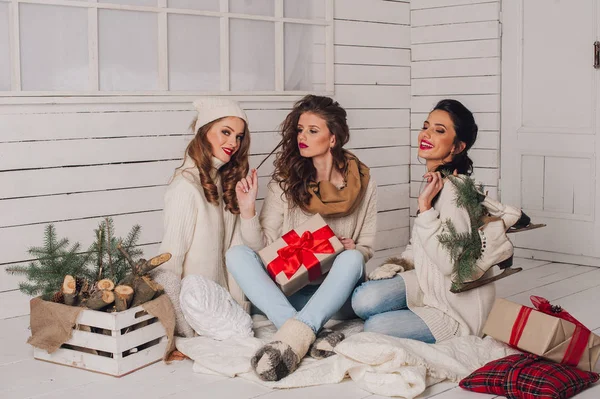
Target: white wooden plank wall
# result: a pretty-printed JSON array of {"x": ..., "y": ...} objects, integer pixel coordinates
[
  {"x": 372, "y": 81},
  {"x": 72, "y": 163},
  {"x": 456, "y": 54}
]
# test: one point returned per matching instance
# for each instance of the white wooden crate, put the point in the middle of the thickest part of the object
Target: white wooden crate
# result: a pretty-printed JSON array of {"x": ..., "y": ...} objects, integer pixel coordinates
[{"x": 130, "y": 346}]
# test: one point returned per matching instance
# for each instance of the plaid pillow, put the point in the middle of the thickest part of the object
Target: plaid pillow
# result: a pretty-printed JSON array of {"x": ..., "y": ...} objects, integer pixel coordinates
[{"x": 526, "y": 376}]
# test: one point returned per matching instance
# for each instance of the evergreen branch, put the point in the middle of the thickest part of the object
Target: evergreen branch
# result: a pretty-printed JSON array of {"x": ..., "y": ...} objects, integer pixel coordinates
[
  {"x": 17, "y": 270},
  {"x": 132, "y": 237},
  {"x": 99, "y": 250},
  {"x": 109, "y": 244},
  {"x": 29, "y": 289},
  {"x": 464, "y": 248}
]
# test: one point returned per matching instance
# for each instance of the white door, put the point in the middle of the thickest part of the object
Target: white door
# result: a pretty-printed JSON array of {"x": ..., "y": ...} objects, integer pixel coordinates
[{"x": 550, "y": 125}]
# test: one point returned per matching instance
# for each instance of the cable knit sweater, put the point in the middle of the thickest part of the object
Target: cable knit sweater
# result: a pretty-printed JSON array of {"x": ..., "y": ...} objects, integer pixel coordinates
[
  {"x": 428, "y": 285},
  {"x": 197, "y": 234},
  {"x": 277, "y": 217}
]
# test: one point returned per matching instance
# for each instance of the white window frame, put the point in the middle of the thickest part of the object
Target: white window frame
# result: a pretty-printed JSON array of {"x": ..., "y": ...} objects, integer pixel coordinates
[{"x": 17, "y": 95}]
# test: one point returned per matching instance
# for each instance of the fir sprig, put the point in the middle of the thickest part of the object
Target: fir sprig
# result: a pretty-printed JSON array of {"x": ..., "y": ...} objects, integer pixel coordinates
[
  {"x": 56, "y": 259},
  {"x": 464, "y": 248},
  {"x": 107, "y": 260},
  {"x": 53, "y": 262}
]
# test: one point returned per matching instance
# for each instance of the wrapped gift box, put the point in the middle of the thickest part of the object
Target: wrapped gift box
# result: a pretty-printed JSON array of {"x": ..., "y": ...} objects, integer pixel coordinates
[
  {"x": 302, "y": 255},
  {"x": 546, "y": 331}
]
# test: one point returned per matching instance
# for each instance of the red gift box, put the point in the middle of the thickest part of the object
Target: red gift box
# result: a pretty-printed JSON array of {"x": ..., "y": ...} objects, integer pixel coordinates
[{"x": 302, "y": 255}]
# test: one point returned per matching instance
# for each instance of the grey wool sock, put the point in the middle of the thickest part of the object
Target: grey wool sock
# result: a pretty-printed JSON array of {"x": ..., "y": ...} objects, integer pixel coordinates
[
  {"x": 325, "y": 343},
  {"x": 281, "y": 357}
]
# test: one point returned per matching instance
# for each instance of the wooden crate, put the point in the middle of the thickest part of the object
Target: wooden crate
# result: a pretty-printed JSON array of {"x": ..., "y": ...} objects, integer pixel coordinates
[{"x": 137, "y": 339}]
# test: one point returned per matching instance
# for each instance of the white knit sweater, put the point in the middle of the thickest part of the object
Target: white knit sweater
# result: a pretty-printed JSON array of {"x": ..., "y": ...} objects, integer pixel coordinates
[
  {"x": 428, "y": 285},
  {"x": 197, "y": 233},
  {"x": 277, "y": 217}
]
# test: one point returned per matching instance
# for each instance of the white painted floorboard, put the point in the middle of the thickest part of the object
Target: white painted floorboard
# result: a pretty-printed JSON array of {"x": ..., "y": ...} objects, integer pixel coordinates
[{"x": 576, "y": 288}]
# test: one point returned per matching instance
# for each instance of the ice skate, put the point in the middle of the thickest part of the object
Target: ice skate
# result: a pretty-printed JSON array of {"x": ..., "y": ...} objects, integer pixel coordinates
[
  {"x": 514, "y": 219},
  {"x": 524, "y": 224},
  {"x": 500, "y": 254}
]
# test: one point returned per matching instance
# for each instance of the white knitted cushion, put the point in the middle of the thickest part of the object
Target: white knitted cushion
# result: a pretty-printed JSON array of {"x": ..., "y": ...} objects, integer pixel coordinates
[{"x": 212, "y": 311}]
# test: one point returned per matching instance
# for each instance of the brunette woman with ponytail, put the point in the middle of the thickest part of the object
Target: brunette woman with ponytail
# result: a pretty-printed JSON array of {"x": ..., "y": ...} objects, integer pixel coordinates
[{"x": 410, "y": 297}]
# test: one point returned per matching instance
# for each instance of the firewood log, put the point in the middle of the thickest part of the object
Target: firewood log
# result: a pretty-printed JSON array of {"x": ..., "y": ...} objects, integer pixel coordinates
[
  {"x": 69, "y": 290},
  {"x": 144, "y": 266},
  {"x": 105, "y": 284},
  {"x": 144, "y": 290},
  {"x": 84, "y": 291},
  {"x": 100, "y": 299},
  {"x": 123, "y": 297}
]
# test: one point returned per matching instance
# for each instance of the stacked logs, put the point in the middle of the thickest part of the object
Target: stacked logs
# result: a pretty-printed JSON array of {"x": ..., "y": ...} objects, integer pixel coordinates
[{"x": 135, "y": 289}]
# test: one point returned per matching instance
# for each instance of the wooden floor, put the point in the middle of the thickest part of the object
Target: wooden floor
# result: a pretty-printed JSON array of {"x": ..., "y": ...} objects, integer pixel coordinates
[{"x": 575, "y": 288}]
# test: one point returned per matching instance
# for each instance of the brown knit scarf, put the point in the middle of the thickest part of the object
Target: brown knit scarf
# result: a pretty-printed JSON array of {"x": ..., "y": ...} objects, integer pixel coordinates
[{"x": 327, "y": 200}]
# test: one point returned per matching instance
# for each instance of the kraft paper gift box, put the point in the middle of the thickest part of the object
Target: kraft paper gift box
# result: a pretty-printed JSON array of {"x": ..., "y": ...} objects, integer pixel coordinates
[
  {"x": 546, "y": 331},
  {"x": 301, "y": 255}
]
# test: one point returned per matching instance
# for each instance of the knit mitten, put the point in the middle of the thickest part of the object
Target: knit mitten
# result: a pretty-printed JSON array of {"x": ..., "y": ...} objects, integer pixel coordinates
[
  {"x": 281, "y": 357},
  {"x": 325, "y": 342},
  {"x": 390, "y": 268},
  {"x": 172, "y": 286}
]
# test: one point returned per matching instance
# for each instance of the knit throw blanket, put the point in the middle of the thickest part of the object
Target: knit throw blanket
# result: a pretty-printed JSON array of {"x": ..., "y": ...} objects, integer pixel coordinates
[{"x": 377, "y": 363}]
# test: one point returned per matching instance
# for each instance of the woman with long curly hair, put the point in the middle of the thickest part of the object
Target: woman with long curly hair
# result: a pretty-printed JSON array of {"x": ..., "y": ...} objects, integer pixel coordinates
[
  {"x": 313, "y": 174},
  {"x": 201, "y": 214}
]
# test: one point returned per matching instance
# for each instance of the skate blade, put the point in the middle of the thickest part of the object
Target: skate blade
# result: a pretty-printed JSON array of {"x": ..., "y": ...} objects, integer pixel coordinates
[
  {"x": 530, "y": 226},
  {"x": 481, "y": 282}
]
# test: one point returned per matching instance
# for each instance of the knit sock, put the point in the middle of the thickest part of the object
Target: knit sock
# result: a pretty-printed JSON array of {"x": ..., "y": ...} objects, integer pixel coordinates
[
  {"x": 325, "y": 343},
  {"x": 281, "y": 357}
]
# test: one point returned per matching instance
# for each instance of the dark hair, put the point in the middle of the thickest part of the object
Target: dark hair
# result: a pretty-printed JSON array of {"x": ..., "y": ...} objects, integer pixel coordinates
[
  {"x": 200, "y": 150},
  {"x": 466, "y": 131},
  {"x": 293, "y": 172}
]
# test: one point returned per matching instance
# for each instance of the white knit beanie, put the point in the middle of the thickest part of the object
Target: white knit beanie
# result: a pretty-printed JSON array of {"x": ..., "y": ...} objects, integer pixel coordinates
[{"x": 213, "y": 108}]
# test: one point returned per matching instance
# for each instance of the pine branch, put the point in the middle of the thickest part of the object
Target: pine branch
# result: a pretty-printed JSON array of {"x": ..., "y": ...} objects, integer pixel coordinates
[
  {"x": 132, "y": 237},
  {"x": 29, "y": 289},
  {"x": 100, "y": 250},
  {"x": 54, "y": 261},
  {"x": 17, "y": 270},
  {"x": 464, "y": 248},
  {"x": 109, "y": 244}
]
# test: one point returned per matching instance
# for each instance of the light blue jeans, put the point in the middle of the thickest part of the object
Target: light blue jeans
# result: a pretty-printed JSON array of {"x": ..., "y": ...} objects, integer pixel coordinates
[
  {"x": 313, "y": 305},
  {"x": 382, "y": 305}
]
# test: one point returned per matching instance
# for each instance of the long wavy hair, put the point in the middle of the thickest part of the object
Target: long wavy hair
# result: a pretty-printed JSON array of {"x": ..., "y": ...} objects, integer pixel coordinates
[
  {"x": 294, "y": 173},
  {"x": 200, "y": 151}
]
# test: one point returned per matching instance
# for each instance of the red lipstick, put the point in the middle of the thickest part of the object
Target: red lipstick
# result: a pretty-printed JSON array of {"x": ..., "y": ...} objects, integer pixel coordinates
[{"x": 425, "y": 145}]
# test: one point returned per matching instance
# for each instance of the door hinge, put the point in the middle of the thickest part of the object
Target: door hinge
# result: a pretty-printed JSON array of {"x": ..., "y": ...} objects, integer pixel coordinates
[{"x": 597, "y": 54}]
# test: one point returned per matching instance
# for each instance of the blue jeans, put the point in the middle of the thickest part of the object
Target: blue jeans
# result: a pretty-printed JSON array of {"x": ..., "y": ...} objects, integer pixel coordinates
[
  {"x": 313, "y": 305},
  {"x": 382, "y": 304}
]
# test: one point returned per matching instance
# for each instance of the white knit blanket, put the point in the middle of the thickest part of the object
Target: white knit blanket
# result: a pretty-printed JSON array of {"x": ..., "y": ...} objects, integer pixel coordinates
[{"x": 377, "y": 363}]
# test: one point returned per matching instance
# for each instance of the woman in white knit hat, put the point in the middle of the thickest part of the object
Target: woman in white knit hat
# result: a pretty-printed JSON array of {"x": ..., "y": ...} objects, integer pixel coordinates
[{"x": 201, "y": 218}]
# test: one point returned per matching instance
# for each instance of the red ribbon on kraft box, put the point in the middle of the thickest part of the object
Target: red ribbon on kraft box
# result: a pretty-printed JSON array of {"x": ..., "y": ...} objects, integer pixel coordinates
[
  {"x": 579, "y": 339},
  {"x": 301, "y": 250}
]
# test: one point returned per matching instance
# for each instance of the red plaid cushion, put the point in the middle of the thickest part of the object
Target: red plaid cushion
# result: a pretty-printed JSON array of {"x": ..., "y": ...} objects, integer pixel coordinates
[{"x": 526, "y": 376}]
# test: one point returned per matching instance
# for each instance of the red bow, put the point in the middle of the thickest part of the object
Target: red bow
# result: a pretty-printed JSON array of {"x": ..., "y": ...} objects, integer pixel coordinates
[
  {"x": 580, "y": 336},
  {"x": 301, "y": 251}
]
